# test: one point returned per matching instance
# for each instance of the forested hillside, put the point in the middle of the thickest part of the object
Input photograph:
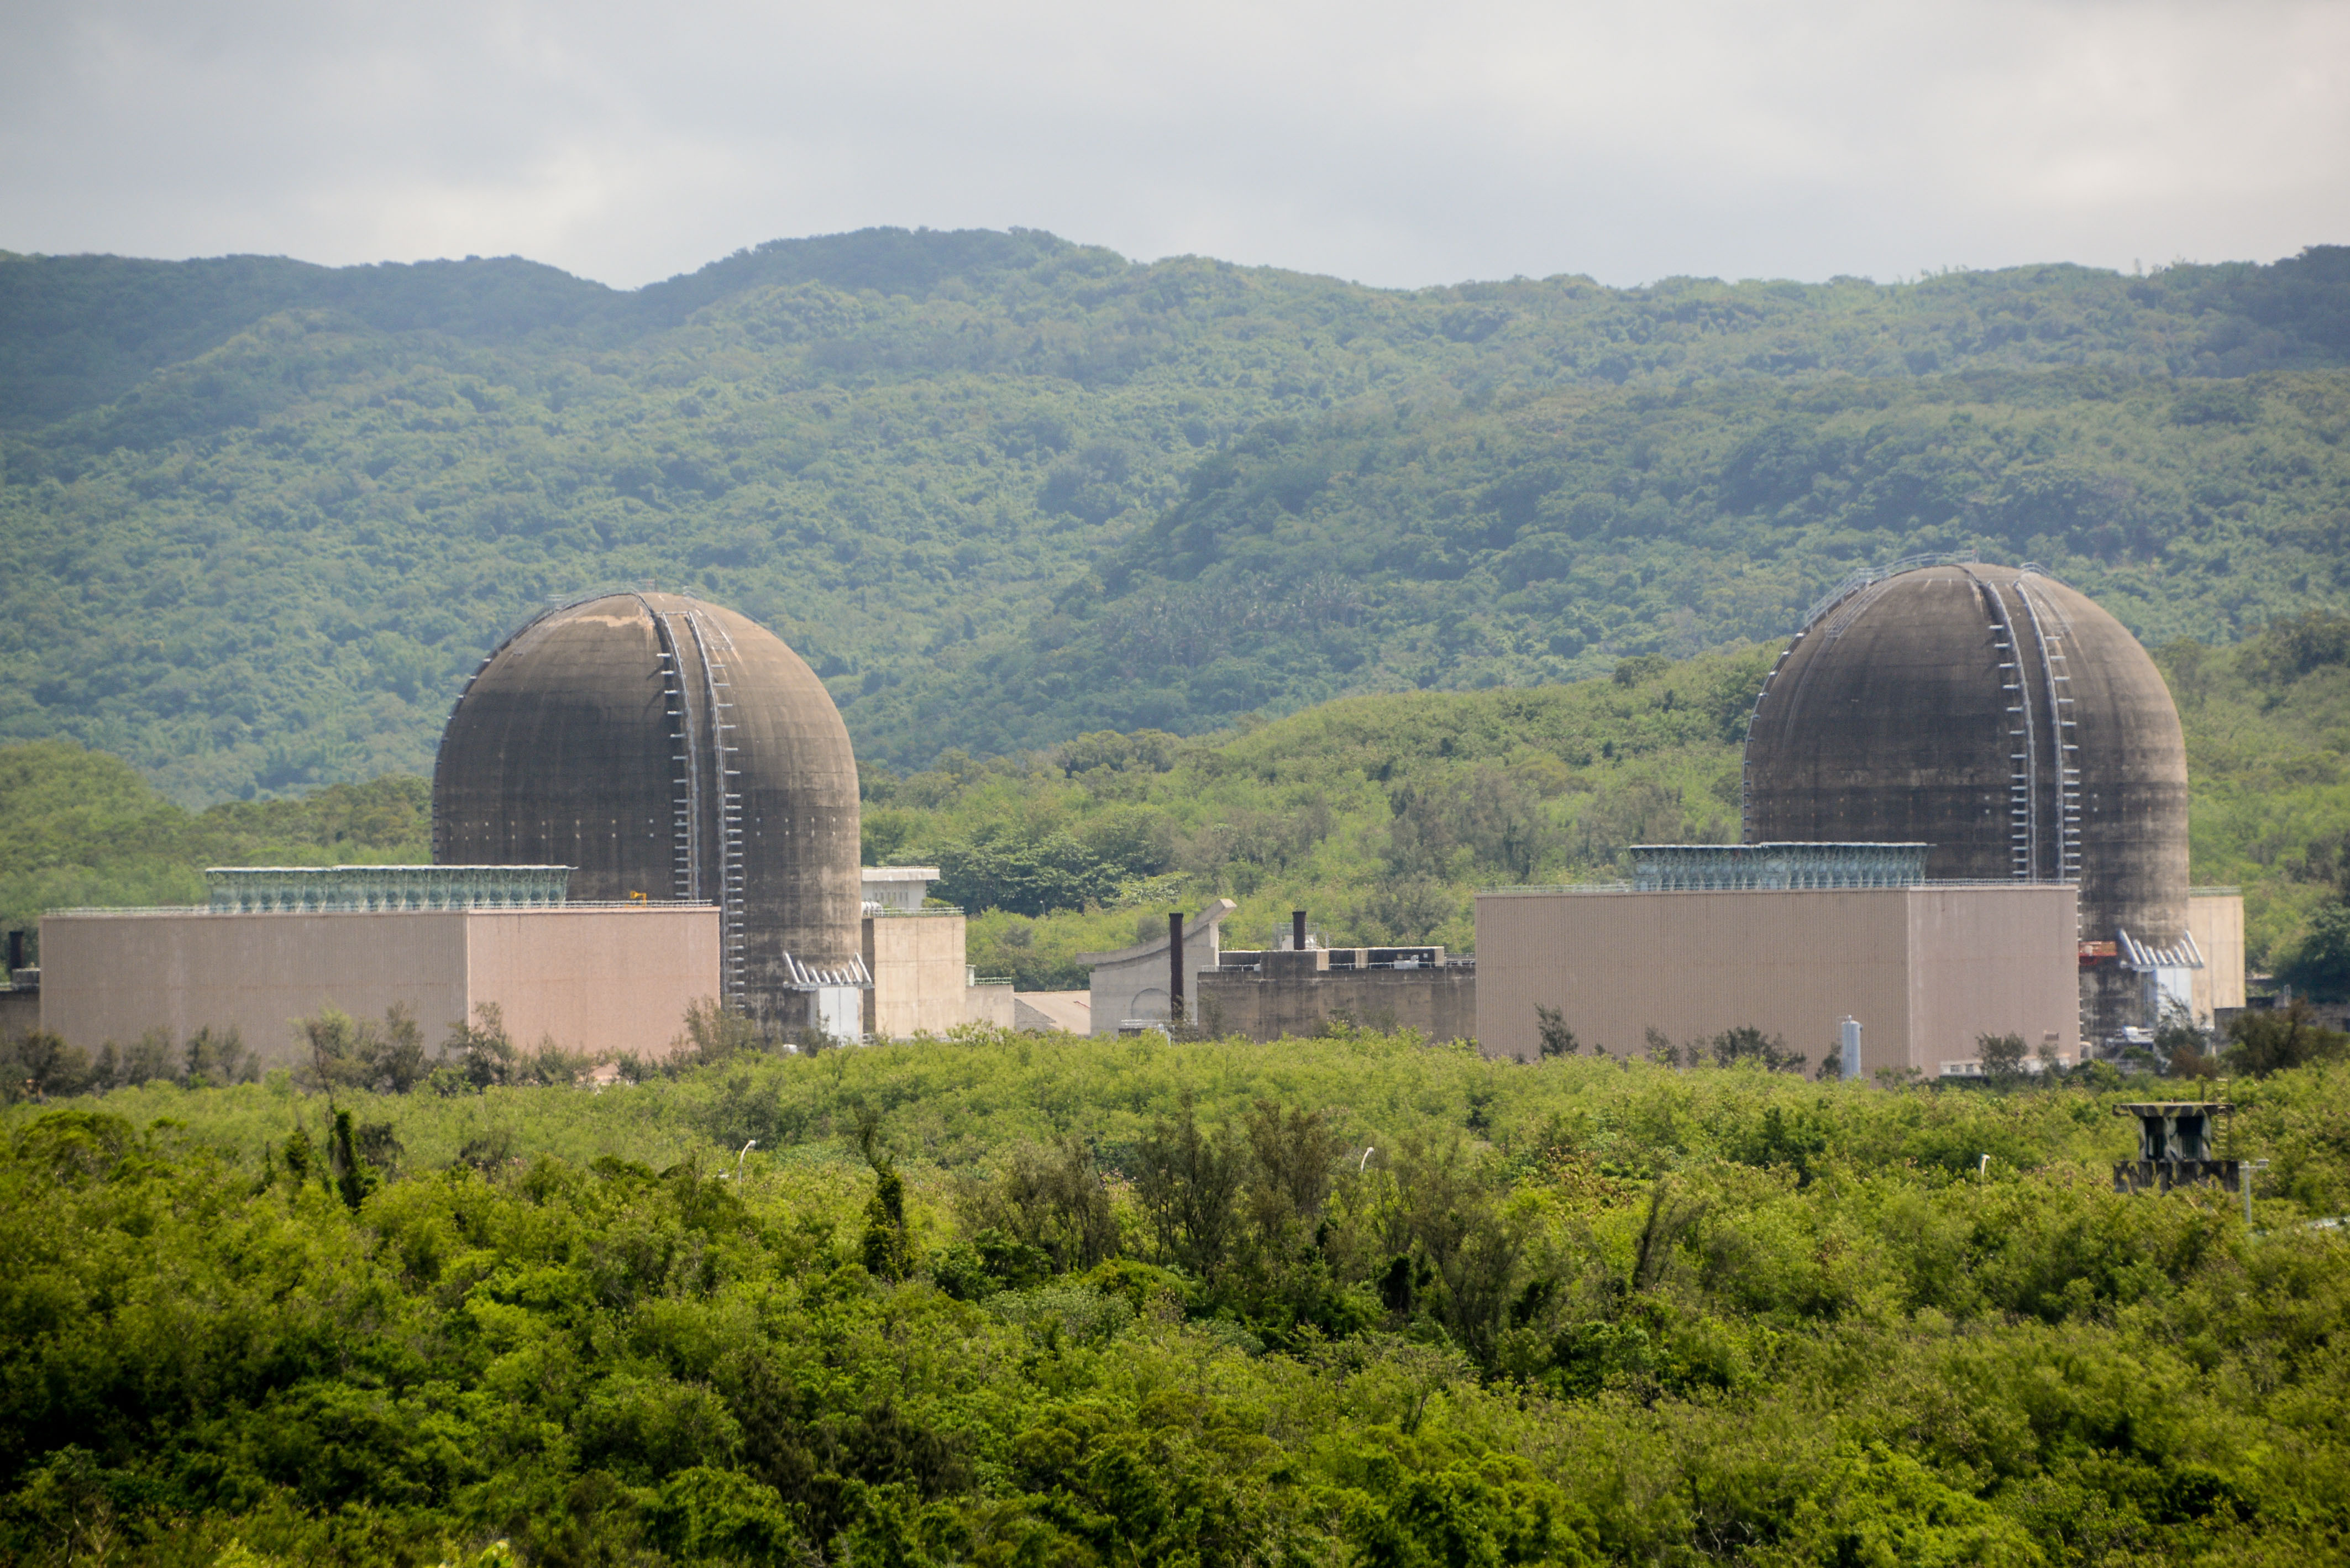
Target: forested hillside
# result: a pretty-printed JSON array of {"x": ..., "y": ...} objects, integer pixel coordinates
[
  {"x": 82, "y": 828},
  {"x": 1356, "y": 1300},
  {"x": 257, "y": 519},
  {"x": 1379, "y": 816}
]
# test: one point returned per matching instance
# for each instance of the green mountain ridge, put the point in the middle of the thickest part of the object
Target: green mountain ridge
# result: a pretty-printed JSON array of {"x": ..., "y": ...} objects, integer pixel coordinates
[{"x": 258, "y": 519}]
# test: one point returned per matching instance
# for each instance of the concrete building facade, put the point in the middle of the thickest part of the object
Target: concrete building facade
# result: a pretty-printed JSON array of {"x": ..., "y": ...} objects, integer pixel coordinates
[
  {"x": 1053, "y": 1012},
  {"x": 1130, "y": 984},
  {"x": 2215, "y": 919},
  {"x": 1924, "y": 968},
  {"x": 990, "y": 1002},
  {"x": 1278, "y": 994},
  {"x": 921, "y": 984},
  {"x": 596, "y": 980},
  {"x": 914, "y": 953}
]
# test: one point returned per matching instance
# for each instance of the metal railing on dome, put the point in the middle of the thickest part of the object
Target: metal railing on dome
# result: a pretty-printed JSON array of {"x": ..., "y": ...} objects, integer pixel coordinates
[{"x": 1860, "y": 578}]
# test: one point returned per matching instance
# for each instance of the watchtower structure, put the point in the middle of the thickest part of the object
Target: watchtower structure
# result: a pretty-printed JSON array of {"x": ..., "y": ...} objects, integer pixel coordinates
[{"x": 2174, "y": 1148}]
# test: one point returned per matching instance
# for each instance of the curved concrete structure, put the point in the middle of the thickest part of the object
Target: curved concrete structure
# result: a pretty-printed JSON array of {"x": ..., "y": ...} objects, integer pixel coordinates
[
  {"x": 2003, "y": 719},
  {"x": 670, "y": 751}
]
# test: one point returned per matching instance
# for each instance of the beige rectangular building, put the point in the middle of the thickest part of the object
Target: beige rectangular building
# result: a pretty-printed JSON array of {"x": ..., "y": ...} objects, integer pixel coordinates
[
  {"x": 1278, "y": 994},
  {"x": 1925, "y": 969},
  {"x": 921, "y": 984},
  {"x": 596, "y": 980},
  {"x": 2215, "y": 919}
]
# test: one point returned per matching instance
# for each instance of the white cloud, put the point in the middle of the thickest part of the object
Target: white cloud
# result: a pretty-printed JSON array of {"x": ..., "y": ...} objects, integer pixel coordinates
[{"x": 1401, "y": 144}]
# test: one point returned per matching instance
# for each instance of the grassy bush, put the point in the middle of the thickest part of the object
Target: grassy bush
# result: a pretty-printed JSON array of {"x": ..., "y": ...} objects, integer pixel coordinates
[{"x": 1357, "y": 1299}]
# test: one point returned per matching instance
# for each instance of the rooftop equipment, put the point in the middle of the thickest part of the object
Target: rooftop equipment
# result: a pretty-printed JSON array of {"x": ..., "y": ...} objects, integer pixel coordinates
[
  {"x": 1691, "y": 867},
  {"x": 315, "y": 889}
]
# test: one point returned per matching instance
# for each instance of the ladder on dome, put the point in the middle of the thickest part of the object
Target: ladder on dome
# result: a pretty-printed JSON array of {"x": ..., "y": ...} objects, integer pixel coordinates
[
  {"x": 2064, "y": 735},
  {"x": 711, "y": 644},
  {"x": 2063, "y": 739},
  {"x": 685, "y": 836},
  {"x": 2022, "y": 793}
]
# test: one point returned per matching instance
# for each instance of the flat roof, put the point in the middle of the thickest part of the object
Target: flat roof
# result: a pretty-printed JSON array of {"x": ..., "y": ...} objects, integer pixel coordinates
[{"x": 1530, "y": 890}]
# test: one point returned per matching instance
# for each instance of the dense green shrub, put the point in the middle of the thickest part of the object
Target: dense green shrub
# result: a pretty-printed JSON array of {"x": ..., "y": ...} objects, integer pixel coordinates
[{"x": 1354, "y": 1300}]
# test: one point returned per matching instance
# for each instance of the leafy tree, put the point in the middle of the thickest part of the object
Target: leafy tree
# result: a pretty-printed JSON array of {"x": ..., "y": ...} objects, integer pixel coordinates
[
  {"x": 2184, "y": 1045},
  {"x": 1026, "y": 875},
  {"x": 1189, "y": 1183},
  {"x": 1557, "y": 1039},
  {"x": 350, "y": 1172},
  {"x": 1050, "y": 1199},
  {"x": 888, "y": 1251},
  {"x": 220, "y": 1057},
  {"x": 2276, "y": 1040},
  {"x": 45, "y": 1064},
  {"x": 2001, "y": 1055},
  {"x": 2319, "y": 968},
  {"x": 714, "y": 1034},
  {"x": 1747, "y": 1043}
]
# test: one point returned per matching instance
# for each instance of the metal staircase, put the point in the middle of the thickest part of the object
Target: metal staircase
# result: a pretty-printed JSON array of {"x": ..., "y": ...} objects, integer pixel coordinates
[
  {"x": 711, "y": 646},
  {"x": 2022, "y": 791},
  {"x": 2064, "y": 735},
  {"x": 698, "y": 696}
]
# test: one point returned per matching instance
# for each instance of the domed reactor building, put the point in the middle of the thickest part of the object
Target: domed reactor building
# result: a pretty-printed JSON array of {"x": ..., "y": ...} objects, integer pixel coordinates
[
  {"x": 669, "y": 751},
  {"x": 2005, "y": 720}
]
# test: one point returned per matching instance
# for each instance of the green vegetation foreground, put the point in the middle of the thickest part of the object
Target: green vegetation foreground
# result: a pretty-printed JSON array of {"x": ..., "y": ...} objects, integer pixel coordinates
[{"x": 1004, "y": 1300}]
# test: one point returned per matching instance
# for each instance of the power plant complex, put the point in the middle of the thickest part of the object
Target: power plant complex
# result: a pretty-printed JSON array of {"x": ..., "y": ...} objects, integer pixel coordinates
[
  {"x": 669, "y": 751},
  {"x": 2012, "y": 727},
  {"x": 1965, "y": 812}
]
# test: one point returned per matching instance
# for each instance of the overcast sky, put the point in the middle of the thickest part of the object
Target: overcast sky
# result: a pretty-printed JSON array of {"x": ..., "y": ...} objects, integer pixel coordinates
[{"x": 1396, "y": 144}]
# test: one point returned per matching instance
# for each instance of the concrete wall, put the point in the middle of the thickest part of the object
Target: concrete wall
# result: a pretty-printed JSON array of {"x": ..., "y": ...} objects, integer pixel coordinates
[
  {"x": 1051, "y": 1012},
  {"x": 597, "y": 981},
  {"x": 990, "y": 1002},
  {"x": 2216, "y": 920},
  {"x": 918, "y": 974},
  {"x": 600, "y": 980},
  {"x": 1296, "y": 994},
  {"x": 1989, "y": 961},
  {"x": 20, "y": 1013},
  {"x": 1924, "y": 969},
  {"x": 1131, "y": 982}
]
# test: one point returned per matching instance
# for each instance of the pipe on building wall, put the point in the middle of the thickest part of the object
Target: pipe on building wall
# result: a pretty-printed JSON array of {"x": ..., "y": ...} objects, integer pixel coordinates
[{"x": 1175, "y": 966}]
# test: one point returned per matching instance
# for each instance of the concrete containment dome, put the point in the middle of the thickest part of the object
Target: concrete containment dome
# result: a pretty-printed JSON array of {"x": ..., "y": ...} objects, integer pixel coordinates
[
  {"x": 670, "y": 750},
  {"x": 2005, "y": 720}
]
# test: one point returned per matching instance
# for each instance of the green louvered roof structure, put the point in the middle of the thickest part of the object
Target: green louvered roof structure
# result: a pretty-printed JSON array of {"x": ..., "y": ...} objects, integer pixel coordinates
[
  {"x": 1688, "y": 867},
  {"x": 310, "y": 889}
]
